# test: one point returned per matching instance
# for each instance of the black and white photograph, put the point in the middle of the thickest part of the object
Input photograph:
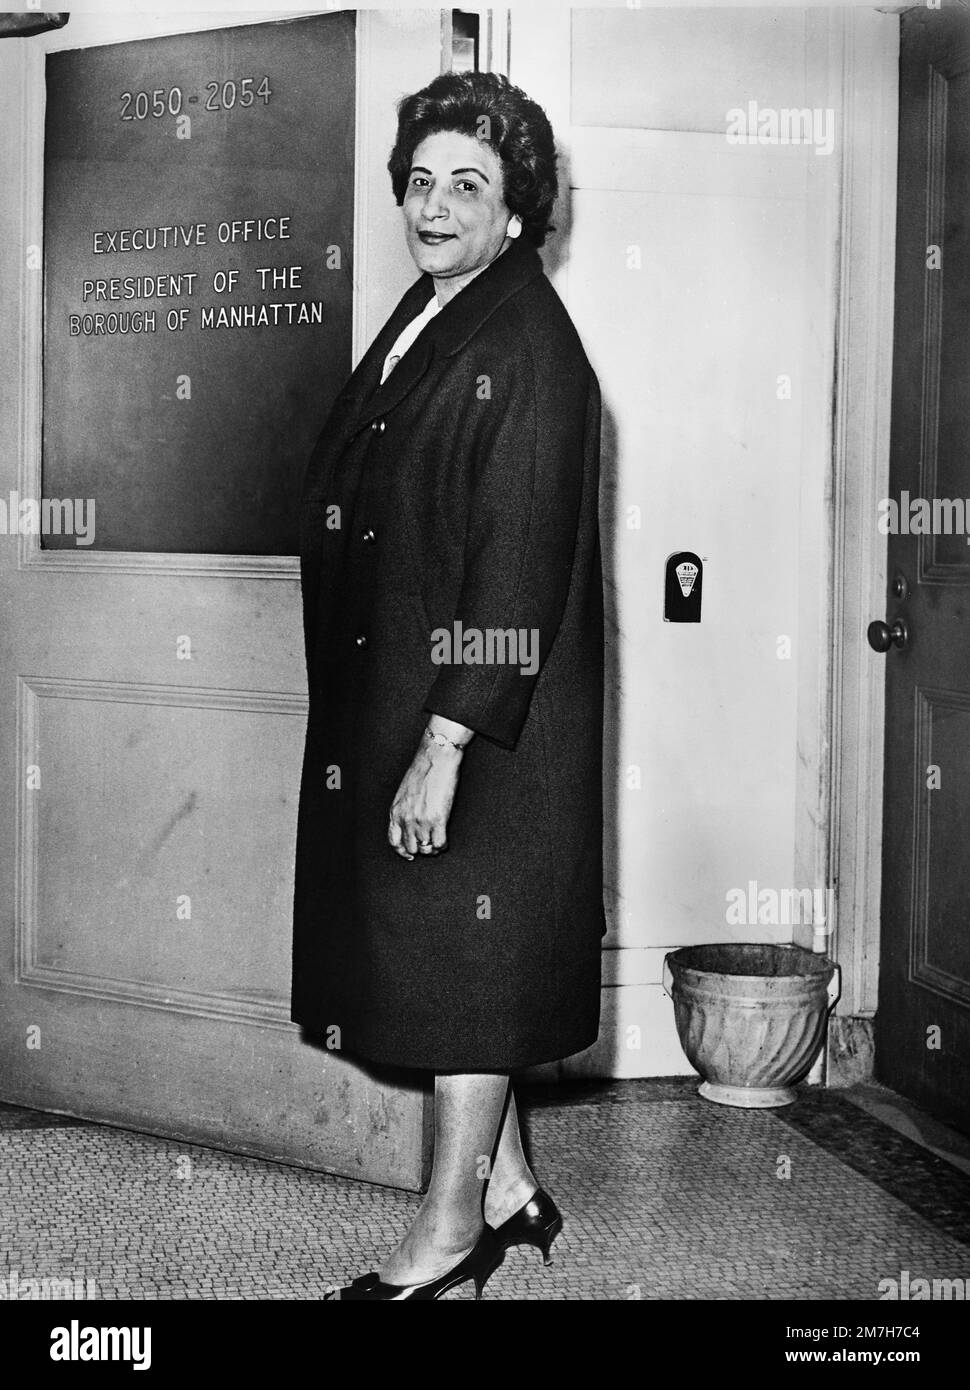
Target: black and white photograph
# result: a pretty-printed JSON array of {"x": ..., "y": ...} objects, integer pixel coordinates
[{"x": 484, "y": 673}]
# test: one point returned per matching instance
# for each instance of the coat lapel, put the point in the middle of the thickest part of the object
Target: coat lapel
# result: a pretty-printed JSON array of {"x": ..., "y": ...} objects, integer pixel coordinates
[
  {"x": 446, "y": 333},
  {"x": 367, "y": 374},
  {"x": 363, "y": 399},
  {"x": 403, "y": 378}
]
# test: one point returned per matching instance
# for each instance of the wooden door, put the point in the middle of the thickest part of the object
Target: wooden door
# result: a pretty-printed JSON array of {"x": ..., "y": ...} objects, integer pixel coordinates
[
  {"x": 696, "y": 271},
  {"x": 152, "y": 709},
  {"x": 923, "y": 1018}
]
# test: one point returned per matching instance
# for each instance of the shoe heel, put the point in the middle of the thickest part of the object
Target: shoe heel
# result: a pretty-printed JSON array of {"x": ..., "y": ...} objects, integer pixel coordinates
[
  {"x": 482, "y": 1279},
  {"x": 548, "y": 1236}
]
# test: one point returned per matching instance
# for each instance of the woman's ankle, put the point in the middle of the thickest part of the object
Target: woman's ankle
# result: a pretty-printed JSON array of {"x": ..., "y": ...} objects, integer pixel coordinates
[
  {"x": 506, "y": 1194},
  {"x": 446, "y": 1227}
]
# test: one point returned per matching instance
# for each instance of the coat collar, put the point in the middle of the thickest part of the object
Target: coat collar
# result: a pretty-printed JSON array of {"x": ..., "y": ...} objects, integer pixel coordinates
[
  {"x": 463, "y": 315},
  {"x": 447, "y": 333}
]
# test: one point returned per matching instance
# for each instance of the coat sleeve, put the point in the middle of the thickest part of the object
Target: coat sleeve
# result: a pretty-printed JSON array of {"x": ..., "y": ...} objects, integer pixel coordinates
[{"x": 529, "y": 449}]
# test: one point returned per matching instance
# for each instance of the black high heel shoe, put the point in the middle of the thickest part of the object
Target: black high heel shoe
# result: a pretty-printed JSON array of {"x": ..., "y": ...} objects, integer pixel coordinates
[
  {"x": 479, "y": 1264},
  {"x": 537, "y": 1223}
]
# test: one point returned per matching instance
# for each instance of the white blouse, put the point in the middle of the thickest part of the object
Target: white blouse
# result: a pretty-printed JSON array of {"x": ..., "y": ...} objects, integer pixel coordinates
[{"x": 407, "y": 336}]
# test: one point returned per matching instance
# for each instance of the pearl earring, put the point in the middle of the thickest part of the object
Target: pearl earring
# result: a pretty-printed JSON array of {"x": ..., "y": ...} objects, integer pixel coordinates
[{"x": 515, "y": 226}]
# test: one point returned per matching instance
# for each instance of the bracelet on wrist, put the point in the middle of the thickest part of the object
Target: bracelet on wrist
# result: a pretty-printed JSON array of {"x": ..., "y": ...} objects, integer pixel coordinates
[{"x": 441, "y": 740}]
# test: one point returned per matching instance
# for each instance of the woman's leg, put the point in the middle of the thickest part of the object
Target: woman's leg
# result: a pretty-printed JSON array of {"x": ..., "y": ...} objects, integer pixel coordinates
[
  {"x": 467, "y": 1112},
  {"x": 512, "y": 1182}
]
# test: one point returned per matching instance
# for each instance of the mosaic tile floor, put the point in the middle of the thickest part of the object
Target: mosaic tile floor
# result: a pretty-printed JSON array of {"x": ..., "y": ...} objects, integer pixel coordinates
[{"x": 665, "y": 1196}]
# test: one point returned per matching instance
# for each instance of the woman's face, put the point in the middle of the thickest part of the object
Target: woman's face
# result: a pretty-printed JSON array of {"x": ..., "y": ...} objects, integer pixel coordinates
[{"x": 455, "y": 216}]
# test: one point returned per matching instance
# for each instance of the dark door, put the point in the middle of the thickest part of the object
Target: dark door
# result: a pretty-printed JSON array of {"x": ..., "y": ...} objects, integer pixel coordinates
[{"x": 923, "y": 1020}]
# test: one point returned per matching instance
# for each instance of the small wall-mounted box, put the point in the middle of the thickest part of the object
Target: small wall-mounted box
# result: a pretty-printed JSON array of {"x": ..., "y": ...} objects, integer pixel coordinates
[{"x": 683, "y": 578}]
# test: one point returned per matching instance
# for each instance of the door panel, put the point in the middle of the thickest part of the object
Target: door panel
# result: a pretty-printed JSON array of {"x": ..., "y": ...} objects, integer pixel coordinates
[
  {"x": 923, "y": 1020},
  {"x": 154, "y": 911},
  {"x": 697, "y": 273},
  {"x": 148, "y": 822}
]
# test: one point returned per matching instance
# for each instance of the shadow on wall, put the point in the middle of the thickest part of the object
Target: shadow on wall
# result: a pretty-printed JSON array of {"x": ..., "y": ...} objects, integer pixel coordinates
[{"x": 555, "y": 257}]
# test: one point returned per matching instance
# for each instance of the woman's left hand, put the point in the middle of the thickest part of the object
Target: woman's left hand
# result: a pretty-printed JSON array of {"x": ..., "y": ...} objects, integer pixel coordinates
[{"x": 422, "y": 805}]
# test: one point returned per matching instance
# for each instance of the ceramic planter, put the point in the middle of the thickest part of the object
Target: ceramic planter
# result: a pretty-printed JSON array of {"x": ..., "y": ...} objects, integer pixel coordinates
[{"x": 751, "y": 1018}]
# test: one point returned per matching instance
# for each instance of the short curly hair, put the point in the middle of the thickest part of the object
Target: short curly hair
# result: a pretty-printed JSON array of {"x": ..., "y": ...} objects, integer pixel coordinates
[{"x": 516, "y": 128}]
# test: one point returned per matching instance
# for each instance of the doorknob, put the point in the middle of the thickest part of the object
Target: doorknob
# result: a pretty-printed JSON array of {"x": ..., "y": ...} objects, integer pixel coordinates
[{"x": 881, "y": 636}]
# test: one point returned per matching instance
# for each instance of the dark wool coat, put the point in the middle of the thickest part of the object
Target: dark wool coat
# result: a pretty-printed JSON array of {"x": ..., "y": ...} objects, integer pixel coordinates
[{"x": 467, "y": 492}]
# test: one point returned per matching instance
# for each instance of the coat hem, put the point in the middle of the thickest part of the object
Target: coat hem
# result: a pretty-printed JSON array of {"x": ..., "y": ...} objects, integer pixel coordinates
[{"x": 533, "y": 1058}]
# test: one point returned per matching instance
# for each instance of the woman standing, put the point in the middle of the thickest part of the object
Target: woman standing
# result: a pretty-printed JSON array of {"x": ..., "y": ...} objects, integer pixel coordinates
[{"x": 448, "y": 911}]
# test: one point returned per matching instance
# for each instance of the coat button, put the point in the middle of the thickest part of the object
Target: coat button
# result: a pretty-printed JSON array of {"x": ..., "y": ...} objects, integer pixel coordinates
[
  {"x": 361, "y": 641},
  {"x": 368, "y": 536},
  {"x": 378, "y": 425}
]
